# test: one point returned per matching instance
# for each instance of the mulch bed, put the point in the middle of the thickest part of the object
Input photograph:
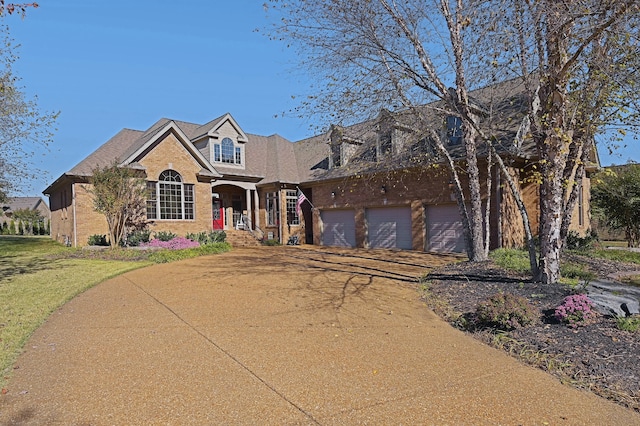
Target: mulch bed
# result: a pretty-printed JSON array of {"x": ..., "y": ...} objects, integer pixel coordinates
[{"x": 597, "y": 356}]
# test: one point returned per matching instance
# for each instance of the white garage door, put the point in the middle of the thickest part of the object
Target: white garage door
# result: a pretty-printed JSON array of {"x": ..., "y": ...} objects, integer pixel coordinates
[
  {"x": 389, "y": 227},
  {"x": 338, "y": 228},
  {"x": 444, "y": 229}
]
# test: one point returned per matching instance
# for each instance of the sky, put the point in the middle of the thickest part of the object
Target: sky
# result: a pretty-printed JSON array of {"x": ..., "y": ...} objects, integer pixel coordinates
[{"x": 109, "y": 65}]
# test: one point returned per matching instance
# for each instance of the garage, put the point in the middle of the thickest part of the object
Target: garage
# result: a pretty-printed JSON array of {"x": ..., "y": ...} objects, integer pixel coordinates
[
  {"x": 338, "y": 228},
  {"x": 389, "y": 227},
  {"x": 444, "y": 229}
]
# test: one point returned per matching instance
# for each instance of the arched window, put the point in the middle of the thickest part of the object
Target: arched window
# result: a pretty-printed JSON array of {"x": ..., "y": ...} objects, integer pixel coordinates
[
  {"x": 173, "y": 199},
  {"x": 227, "y": 152}
]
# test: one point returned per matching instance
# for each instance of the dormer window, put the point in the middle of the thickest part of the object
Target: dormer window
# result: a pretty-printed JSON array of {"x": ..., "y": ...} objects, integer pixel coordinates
[
  {"x": 454, "y": 130},
  {"x": 227, "y": 152}
]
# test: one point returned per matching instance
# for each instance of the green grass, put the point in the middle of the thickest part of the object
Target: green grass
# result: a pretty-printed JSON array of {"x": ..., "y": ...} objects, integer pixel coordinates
[
  {"x": 572, "y": 273},
  {"x": 618, "y": 255},
  {"x": 38, "y": 275}
]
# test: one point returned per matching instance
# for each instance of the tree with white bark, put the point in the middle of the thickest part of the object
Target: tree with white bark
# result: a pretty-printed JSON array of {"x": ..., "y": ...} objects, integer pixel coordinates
[{"x": 373, "y": 54}]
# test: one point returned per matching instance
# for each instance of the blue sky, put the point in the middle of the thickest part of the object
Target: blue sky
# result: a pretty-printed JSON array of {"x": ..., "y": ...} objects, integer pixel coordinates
[{"x": 108, "y": 65}]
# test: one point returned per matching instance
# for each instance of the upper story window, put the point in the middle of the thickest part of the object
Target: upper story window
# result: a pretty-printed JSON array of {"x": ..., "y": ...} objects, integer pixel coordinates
[
  {"x": 454, "y": 130},
  {"x": 227, "y": 152},
  {"x": 169, "y": 198}
]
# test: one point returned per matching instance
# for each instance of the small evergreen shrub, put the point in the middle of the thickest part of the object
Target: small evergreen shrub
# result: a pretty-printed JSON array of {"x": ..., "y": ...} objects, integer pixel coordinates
[
  {"x": 165, "y": 235},
  {"x": 271, "y": 242},
  {"x": 98, "y": 240},
  {"x": 575, "y": 310},
  {"x": 208, "y": 238},
  {"x": 630, "y": 324},
  {"x": 576, "y": 242},
  {"x": 20, "y": 228},
  {"x": 138, "y": 237},
  {"x": 506, "y": 311},
  {"x": 5, "y": 228},
  {"x": 12, "y": 227}
]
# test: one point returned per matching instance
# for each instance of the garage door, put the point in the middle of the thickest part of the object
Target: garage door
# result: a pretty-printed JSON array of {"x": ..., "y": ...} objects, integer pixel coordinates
[
  {"x": 338, "y": 228},
  {"x": 389, "y": 227},
  {"x": 444, "y": 229}
]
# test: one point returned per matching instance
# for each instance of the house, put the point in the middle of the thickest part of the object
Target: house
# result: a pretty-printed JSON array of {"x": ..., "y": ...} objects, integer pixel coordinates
[
  {"x": 376, "y": 184},
  {"x": 14, "y": 204}
]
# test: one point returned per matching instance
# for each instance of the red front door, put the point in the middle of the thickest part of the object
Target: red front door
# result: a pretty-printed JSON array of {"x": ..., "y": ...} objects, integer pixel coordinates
[{"x": 218, "y": 215}]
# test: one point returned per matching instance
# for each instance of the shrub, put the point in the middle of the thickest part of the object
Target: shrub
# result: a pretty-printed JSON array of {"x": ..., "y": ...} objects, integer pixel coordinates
[
  {"x": 575, "y": 310},
  {"x": 20, "y": 228},
  {"x": 208, "y": 238},
  {"x": 164, "y": 256},
  {"x": 165, "y": 236},
  {"x": 5, "y": 228},
  {"x": 98, "y": 240},
  {"x": 630, "y": 324},
  {"x": 506, "y": 311},
  {"x": 12, "y": 227},
  {"x": 576, "y": 242},
  {"x": 138, "y": 237},
  {"x": 271, "y": 242}
]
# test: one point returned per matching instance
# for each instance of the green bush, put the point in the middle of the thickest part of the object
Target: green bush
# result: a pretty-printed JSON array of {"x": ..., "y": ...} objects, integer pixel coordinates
[
  {"x": 630, "y": 324},
  {"x": 5, "y": 228},
  {"x": 98, "y": 240},
  {"x": 12, "y": 228},
  {"x": 272, "y": 242},
  {"x": 165, "y": 235},
  {"x": 211, "y": 237},
  {"x": 139, "y": 236},
  {"x": 576, "y": 242},
  {"x": 20, "y": 228},
  {"x": 506, "y": 311}
]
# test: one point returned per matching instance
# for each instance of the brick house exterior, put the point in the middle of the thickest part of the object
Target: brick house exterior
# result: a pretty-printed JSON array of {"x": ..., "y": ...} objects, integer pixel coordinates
[{"x": 373, "y": 184}]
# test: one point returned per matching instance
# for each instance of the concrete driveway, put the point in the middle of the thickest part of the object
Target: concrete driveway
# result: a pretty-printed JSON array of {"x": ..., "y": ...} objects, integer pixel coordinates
[{"x": 278, "y": 336}]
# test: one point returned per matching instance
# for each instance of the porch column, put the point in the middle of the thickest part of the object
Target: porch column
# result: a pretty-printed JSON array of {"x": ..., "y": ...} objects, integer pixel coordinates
[
  {"x": 247, "y": 193},
  {"x": 256, "y": 208}
]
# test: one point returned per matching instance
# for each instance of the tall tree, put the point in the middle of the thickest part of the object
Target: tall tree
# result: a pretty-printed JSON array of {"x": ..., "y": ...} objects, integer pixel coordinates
[
  {"x": 120, "y": 195},
  {"x": 25, "y": 131},
  {"x": 585, "y": 54}
]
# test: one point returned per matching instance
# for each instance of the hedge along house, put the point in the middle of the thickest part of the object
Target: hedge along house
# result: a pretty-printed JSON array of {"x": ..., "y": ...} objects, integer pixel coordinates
[{"x": 376, "y": 184}]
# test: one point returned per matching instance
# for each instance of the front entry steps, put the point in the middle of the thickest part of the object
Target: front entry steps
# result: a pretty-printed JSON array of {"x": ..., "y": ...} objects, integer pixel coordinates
[{"x": 241, "y": 239}]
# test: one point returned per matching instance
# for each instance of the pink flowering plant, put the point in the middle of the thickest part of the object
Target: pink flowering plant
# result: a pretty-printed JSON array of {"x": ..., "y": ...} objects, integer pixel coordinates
[
  {"x": 177, "y": 243},
  {"x": 575, "y": 310}
]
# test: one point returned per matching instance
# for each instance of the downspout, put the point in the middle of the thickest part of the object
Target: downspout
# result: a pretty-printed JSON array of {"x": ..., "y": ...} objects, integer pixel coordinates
[
  {"x": 73, "y": 205},
  {"x": 281, "y": 230}
]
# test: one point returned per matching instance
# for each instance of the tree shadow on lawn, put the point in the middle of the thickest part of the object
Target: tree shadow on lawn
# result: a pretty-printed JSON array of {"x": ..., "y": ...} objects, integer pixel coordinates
[{"x": 12, "y": 266}]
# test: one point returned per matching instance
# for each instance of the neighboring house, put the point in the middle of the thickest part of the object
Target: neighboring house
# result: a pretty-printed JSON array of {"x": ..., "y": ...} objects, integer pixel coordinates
[
  {"x": 377, "y": 184},
  {"x": 24, "y": 203}
]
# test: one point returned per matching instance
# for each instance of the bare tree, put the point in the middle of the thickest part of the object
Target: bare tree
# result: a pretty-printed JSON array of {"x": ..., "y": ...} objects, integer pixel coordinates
[
  {"x": 577, "y": 60},
  {"x": 121, "y": 196},
  {"x": 585, "y": 54}
]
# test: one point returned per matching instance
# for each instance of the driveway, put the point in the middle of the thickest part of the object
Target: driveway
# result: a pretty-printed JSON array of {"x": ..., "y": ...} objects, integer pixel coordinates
[{"x": 278, "y": 336}]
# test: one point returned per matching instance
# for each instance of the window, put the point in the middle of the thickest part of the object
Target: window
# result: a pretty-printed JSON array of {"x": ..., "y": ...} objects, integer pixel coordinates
[
  {"x": 170, "y": 197},
  {"x": 272, "y": 209},
  {"x": 292, "y": 213},
  {"x": 454, "y": 130},
  {"x": 152, "y": 200},
  {"x": 227, "y": 152}
]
